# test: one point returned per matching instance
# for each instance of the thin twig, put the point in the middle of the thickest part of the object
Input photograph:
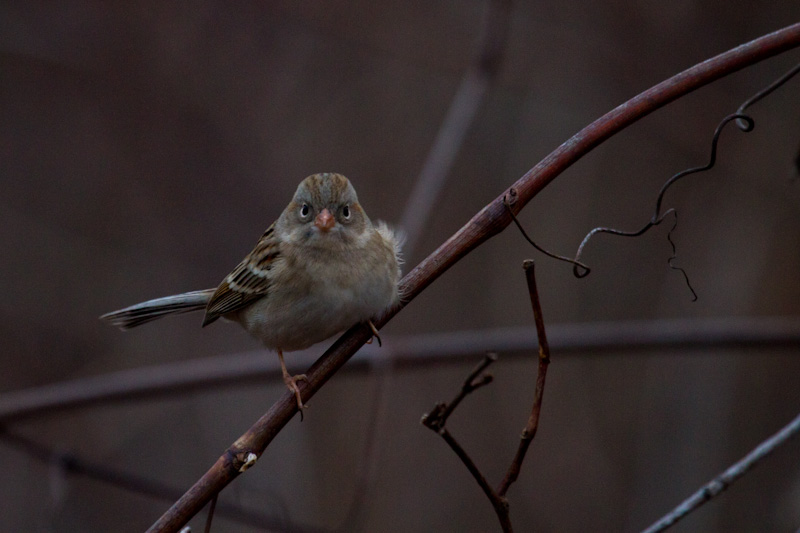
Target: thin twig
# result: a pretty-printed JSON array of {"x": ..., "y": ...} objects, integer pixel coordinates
[
  {"x": 210, "y": 517},
  {"x": 490, "y": 221},
  {"x": 499, "y": 503},
  {"x": 382, "y": 370},
  {"x": 437, "y": 419},
  {"x": 462, "y": 111},
  {"x": 716, "y": 486},
  {"x": 544, "y": 361},
  {"x": 73, "y": 464}
]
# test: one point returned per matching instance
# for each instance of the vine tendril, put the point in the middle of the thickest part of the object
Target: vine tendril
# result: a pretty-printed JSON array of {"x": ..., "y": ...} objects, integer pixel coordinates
[{"x": 744, "y": 122}]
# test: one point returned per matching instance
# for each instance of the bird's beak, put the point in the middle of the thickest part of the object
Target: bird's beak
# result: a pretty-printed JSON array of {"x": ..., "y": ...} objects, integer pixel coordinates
[{"x": 324, "y": 220}]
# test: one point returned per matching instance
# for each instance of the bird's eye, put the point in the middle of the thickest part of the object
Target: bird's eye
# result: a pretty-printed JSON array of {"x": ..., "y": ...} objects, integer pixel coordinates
[
  {"x": 304, "y": 211},
  {"x": 346, "y": 212}
]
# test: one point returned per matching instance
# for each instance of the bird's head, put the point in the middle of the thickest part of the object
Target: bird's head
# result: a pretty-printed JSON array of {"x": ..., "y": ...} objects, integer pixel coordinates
[{"x": 324, "y": 213}]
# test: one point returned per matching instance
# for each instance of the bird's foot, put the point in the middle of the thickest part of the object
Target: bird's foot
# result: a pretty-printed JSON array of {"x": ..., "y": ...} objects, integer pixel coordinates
[
  {"x": 291, "y": 384},
  {"x": 374, "y": 333}
]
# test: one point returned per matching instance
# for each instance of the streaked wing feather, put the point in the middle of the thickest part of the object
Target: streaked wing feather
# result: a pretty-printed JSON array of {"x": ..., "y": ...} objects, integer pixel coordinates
[{"x": 248, "y": 282}]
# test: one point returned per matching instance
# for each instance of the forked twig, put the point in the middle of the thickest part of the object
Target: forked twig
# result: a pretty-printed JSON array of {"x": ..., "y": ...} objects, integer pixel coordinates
[
  {"x": 436, "y": 420},
  {"x": 476, "y": 379}
]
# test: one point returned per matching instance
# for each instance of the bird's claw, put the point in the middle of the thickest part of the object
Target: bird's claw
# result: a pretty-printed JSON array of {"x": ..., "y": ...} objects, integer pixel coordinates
[
  {"x": 291, "y": 384},
  {"x": 374, "y": 334}
]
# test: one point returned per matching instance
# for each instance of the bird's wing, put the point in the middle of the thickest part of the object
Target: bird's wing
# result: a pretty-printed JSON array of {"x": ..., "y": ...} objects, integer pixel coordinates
[{"x": 248, "y": 282}]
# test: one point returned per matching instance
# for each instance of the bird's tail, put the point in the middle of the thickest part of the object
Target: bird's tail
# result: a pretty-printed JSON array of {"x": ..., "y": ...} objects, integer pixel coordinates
[{"x": 141, "y": 313}]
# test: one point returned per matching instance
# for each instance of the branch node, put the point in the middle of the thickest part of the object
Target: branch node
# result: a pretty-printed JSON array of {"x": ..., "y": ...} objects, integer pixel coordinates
[
  {"x": 434, "y": 419},
  {"x": 482, "y": 380},
  {"x": 504, "y": 502},
  {"x": 510, "y": 198},
  {"x": 244, "y": 460}
]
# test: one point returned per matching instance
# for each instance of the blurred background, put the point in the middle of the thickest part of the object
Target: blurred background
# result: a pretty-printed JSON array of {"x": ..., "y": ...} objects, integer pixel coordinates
[{"x": 145, "y": 147}]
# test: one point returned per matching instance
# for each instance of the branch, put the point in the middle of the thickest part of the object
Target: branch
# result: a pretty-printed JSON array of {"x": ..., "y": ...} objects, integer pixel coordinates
[
  {"x": 490, "y": 221},
  {"x": 716, "y": 486},
  {"x": 404, "y": 352},
  {"x": 544, "y": 361}
]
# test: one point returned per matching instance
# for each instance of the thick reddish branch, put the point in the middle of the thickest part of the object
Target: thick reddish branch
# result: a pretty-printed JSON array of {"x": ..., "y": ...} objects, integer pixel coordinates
[{"x": 490, "y": 221}]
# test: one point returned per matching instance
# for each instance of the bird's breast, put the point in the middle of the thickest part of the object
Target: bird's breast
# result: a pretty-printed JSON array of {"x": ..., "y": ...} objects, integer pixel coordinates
[{"x": 325, "y": 296}]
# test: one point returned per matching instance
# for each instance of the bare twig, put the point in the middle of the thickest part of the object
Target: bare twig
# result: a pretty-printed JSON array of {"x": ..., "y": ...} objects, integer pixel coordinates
[
  {"x": 544, "y": 360},
  {"x": 382, "y": 369},
  {"x": 407, "y": 353},
  {"x": 436, "y": 420},
  {"x": 463, "y": 109},
  {"x": 210, "y": 517},
  {"x": 490, "y": 221},
  {"x": 75, "y": 465},
  {"x": 726, "y": 479},
  {"x": 499, "y": 503}
]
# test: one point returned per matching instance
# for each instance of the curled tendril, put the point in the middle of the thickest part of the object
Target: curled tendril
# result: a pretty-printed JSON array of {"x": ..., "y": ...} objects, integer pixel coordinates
[{"x": 744, "y": 122}]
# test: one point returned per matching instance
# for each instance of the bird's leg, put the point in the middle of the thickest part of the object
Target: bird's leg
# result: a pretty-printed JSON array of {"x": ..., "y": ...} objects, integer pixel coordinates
[
  {"x": 374, "y": 333},
  {"x": 291, "y": 383}
]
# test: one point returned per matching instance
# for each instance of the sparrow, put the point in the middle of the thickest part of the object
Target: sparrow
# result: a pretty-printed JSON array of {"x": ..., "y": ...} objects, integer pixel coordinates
[{"x": 319, "y": 269}]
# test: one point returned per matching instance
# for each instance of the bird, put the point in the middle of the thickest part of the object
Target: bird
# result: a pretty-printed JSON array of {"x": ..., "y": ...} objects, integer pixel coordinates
[{"x": 320, "y": 268}]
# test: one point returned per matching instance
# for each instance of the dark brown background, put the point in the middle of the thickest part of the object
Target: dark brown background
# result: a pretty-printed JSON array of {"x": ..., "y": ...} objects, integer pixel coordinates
[{"x": 144, "y": 148}]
